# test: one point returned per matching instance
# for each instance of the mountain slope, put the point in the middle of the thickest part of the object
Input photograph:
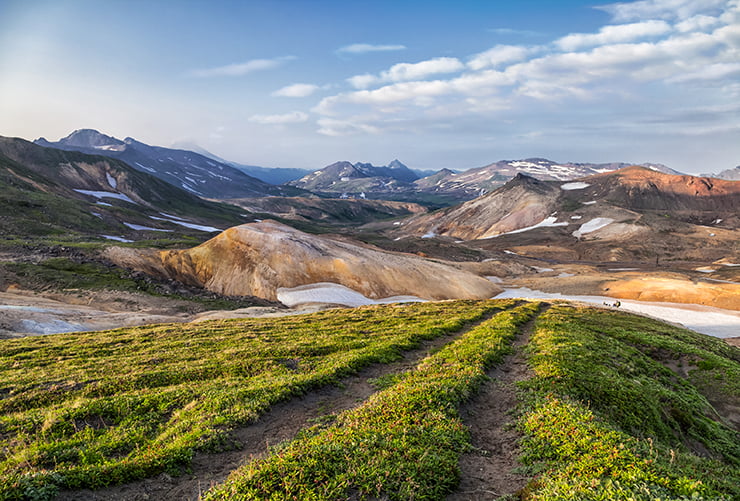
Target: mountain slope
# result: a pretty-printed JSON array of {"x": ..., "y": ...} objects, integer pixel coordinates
[
  {"x": 728, "y": 174},
  {"x": 271, "y": 175},
  {"x": 345, "y": 177},
  {"x": 50, "y": 191},
  {"x": 258, "y": 259},
  {"x": 481, "y": 180},
  {"x": 522, "y": 202},
  {"x": 188, "y": 170},
  {"x": 525, "y": 202}
]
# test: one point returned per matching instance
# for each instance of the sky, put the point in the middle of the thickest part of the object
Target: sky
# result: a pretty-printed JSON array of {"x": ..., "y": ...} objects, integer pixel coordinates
[{"x": 436, "y": 84}]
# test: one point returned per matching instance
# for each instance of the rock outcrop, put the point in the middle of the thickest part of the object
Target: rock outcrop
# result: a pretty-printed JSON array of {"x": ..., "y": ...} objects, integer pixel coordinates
[{"x": 258, "y": 258}]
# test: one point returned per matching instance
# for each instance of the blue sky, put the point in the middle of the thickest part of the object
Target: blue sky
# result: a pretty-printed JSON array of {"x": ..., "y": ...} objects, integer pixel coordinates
[{"x": 289, "y": 83}]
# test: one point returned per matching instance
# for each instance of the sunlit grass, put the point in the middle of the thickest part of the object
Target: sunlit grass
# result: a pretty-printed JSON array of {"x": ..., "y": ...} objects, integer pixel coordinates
[
  {"x": 404, "y": 443},
  {"x": 92, "y": 409},
  {"x": 606, "y": 419}
]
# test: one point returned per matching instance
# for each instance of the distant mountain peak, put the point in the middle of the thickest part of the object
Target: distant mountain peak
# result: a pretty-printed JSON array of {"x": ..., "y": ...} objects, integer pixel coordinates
[{"x": 89, "y": 138}]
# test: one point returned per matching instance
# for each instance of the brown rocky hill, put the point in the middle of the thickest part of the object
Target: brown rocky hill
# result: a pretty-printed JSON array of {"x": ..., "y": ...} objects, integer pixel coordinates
[
  {"x": 522, "y": 202},
  {"x": 256, "y": 259},
  {"x": 619, "y": 196},
  {"x": 638, "y": 188}
]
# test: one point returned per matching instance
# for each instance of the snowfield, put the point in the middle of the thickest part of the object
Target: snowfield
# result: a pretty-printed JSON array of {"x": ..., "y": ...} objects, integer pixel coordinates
[
  {"x": 139, "y": 227},
  {"x": 117, "y": 239},
  {"x": 547, "y": 222},
  {"x": 574, "y": 186},
  {"x": 593, "y": 225},
  {"x": 106, "y": 194},
  {"x": 192, "y": 226},
  {"x": 703, "y": 319},
  {"x": 326, "y": 292}
]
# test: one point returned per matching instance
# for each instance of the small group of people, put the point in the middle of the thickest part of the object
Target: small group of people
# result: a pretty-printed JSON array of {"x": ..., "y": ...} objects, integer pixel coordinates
[{"x": 617, "y": 304}]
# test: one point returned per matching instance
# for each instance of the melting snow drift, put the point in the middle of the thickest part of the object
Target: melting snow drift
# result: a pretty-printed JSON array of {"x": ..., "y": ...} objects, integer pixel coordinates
[
  {"x": 593, "y": 225},
  {"x": 703, "y": 319},
  {"x": 326, "y": 292},
  {"x": 574, "y": 186}
]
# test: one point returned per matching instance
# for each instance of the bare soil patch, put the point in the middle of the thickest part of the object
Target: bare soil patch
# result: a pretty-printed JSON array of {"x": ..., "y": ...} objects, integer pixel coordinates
[{"x": 488, "y": 471}]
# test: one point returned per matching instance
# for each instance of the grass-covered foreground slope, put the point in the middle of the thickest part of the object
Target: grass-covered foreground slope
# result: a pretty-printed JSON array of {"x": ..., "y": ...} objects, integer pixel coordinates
[
  {"x": 617, "y": 409},
  {"x": 404, "y": 443},
  {"x": 94, "y": 409}
]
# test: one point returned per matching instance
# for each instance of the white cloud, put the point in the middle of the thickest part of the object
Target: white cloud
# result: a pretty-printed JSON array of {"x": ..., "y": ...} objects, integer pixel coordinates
[
  {"x": 498, "y": 55},
  {"x": 335, "y": 128},
  {"x": 296, "y": 90},
  {"x": 697, "y": 23},
  {"x": 659, "y": 9},
  {"x": 409, "y": 71},
  {"x": 613, "y": 34},
  {"x": 280, "y": 119},
  {"x": 363, "y": 48},
  {"x": 240, "y": 69}
]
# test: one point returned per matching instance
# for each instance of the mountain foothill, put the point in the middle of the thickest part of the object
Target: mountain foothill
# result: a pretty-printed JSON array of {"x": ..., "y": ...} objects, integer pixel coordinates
[
  {"x": 189, "y": 217},
  {"x": 166, "y": 317}
]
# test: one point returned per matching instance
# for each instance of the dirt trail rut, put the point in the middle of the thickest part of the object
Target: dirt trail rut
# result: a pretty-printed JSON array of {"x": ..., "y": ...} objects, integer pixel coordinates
[
  {"x": 488, "y": 470},
  {"x": 282, "y": 422}
]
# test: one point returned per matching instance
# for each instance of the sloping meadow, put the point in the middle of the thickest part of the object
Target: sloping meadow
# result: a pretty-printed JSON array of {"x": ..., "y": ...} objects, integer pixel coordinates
[{"x": 618, "y": 406}]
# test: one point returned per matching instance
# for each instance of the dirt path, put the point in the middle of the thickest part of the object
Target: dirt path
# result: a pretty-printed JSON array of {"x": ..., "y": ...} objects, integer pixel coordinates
[
  {"x": 487, "y": 471},
  {"x": 282, "y": 422}
]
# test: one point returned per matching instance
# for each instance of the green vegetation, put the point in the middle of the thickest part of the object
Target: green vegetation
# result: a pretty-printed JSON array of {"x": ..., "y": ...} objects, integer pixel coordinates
[
  {"x": 607, "y": 419},
  {"x": 91, "y": 409},
  {"x": 619, "y": 406},
  {"x": 404, "y": 443},
  {"x": 38, "y": 204},
  {"x": 64, "y": 274}
]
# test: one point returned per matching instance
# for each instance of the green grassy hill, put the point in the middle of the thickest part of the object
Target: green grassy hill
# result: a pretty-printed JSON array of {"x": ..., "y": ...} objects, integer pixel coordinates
[
  {"x": 41, "y": 200},
  {"x": 615, "y": 406}
]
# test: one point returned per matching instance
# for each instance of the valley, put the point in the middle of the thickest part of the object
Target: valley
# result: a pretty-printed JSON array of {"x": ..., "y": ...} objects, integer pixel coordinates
[{"x": 417, "y": 337}]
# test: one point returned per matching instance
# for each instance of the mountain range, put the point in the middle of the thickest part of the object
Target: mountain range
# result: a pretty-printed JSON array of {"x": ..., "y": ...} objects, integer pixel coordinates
[
  {"x": 194, "y": 172},
  {"x": 396, "y": 181},
  {"x": 628, "y": 214},
  {"x": 48, "y": 191}
]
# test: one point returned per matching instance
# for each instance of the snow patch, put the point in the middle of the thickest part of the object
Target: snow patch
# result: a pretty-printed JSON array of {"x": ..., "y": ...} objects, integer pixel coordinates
[
  {"x": 139, "y": 227},
  {"x": 106, "y": 194},
  {"x": 495, "y": 280},
  {"x": 547, "y": 222},
  {"x": 705, "y": 269},
  {"x": 327, "y": 292},
  {"x": 430, "y": 234},
  {"x": 190, "y": 189},
  {"x": 542, "y": 270},
  {"x": 593, "y": 225},
  {"x": 192, "y": 226},
  {"x": 170, "y": 216},
  {"x": 49, "y": 327},
  {"x": 589, "y": 203},
  {"x": 117, "y": 239},
  {"x": 111, "y": 181},
  {"x": 623, "y": 269},
  {"x": 576, "y": 217},
  {"x": 574, "y": 186},
  {"x": 703, "y": 319},
  {"x": 146, "y": 168}
]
